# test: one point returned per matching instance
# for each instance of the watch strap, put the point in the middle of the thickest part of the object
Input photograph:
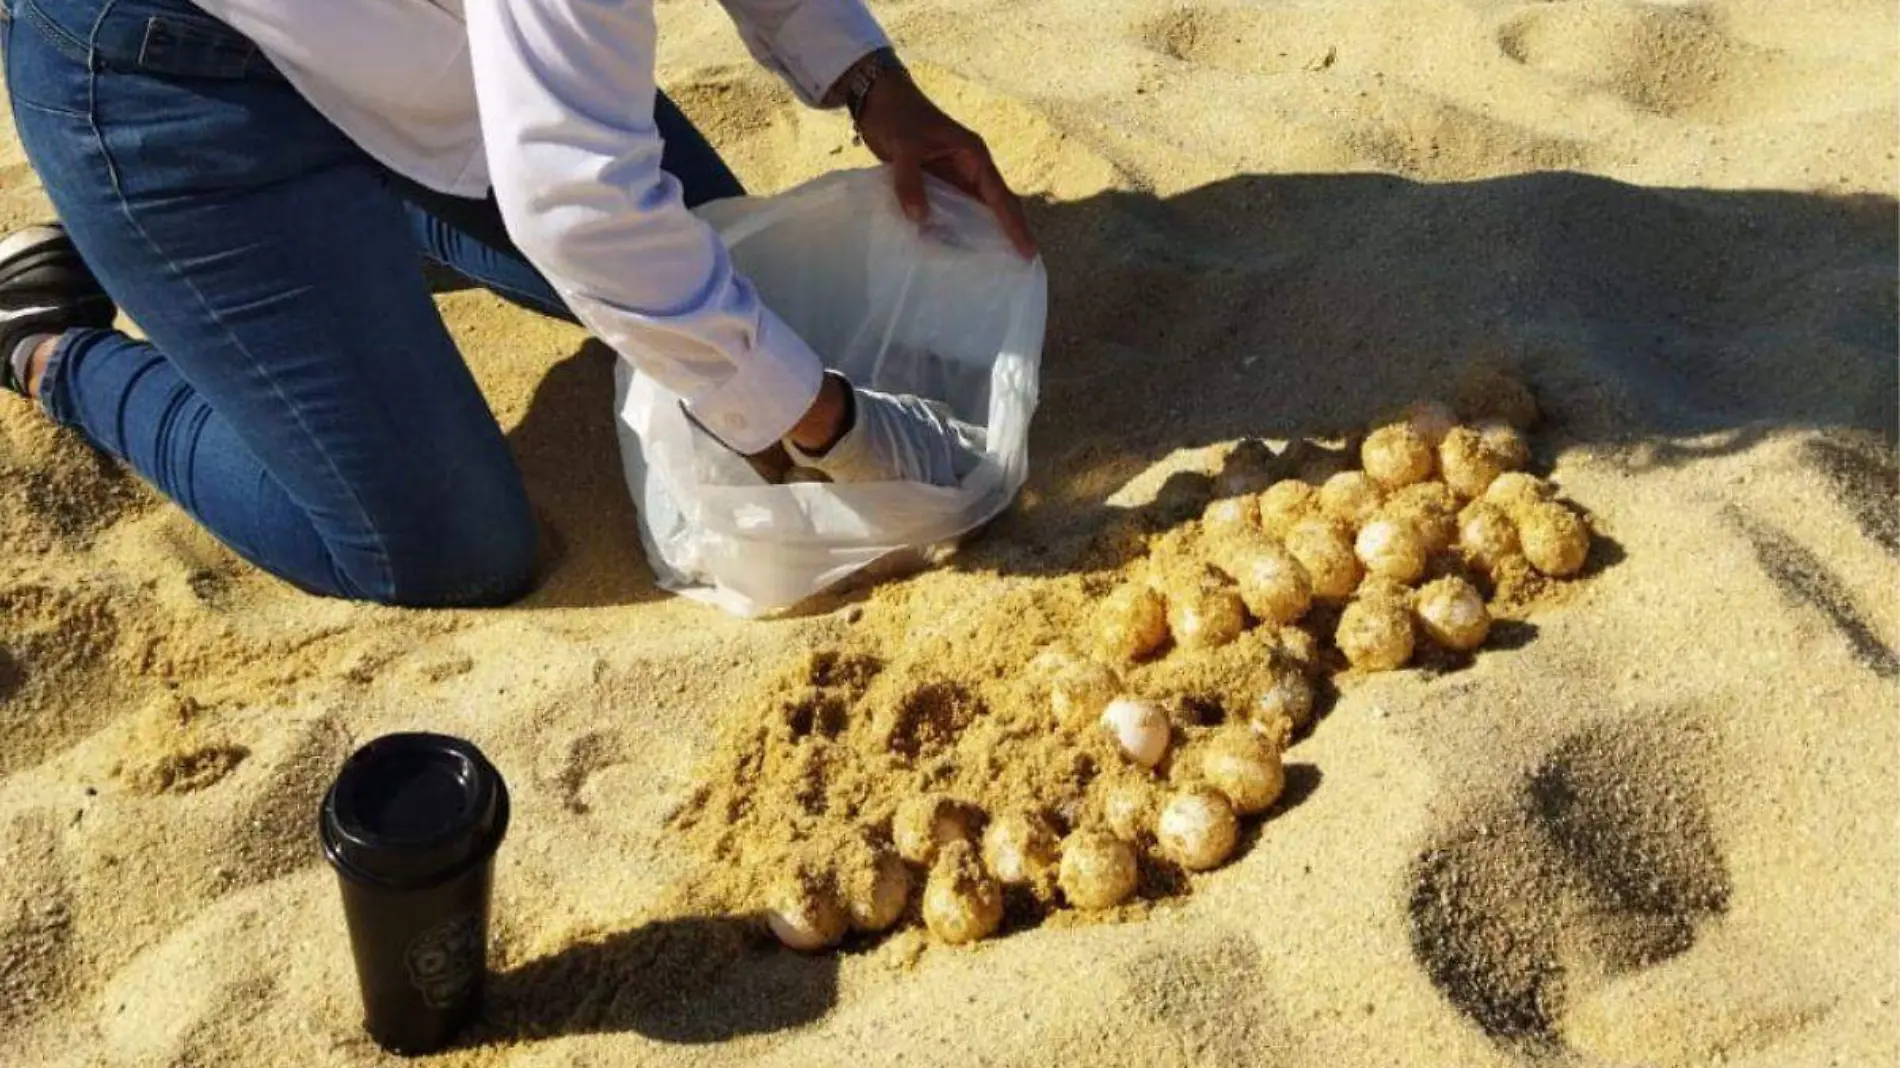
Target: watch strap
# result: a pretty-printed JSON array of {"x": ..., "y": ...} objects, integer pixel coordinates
[{"x": 855, "y": 85}]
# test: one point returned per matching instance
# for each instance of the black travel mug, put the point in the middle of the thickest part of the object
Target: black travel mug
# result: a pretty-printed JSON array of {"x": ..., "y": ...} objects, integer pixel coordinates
[{"x": 411, "y": 826}]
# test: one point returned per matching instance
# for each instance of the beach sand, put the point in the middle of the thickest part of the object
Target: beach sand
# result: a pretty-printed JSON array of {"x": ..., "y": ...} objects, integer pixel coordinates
[{"x": 1655, "y": 827}]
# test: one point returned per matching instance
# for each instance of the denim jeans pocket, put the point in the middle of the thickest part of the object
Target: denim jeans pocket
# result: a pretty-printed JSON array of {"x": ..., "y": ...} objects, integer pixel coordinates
[{"x": 170, "y": 38}]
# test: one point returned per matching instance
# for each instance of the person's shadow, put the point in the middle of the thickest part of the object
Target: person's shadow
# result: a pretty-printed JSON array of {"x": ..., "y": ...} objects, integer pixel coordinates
[
  {"x": 690, "y": 980},
  {"x": 1661, "y": 324},
  {"x": 569, "y": 455}
]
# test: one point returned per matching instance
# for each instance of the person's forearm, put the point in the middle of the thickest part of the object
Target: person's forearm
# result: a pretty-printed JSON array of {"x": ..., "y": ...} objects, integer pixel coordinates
[{"x": 565, "y": 89}]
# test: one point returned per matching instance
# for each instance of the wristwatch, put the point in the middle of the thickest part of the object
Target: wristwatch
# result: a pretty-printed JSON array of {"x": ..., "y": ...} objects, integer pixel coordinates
[{"x": 855, "y": 84}]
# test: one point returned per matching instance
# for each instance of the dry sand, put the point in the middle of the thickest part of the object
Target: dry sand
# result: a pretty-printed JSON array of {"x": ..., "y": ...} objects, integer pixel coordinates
[{"x": 1657, "y": 828}]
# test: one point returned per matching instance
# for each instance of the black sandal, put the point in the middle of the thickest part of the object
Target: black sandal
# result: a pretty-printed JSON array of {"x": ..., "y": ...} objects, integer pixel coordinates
[{"x": 45, "y": 288}]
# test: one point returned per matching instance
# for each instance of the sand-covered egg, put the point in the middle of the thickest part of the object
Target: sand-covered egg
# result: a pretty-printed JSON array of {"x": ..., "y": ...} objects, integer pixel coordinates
[
  {"x": 1375, "y": 634},
  {"x": 1324, "y": 550},
  {"x": 1429, "y": 506},
  {"x": 1469, "y": 465},
  {"x": 1287, "y": 696},
  {"x": 1430, "y": 419},
  {"x": 1019, "y": 848},
  {"x": 924, "y": 824},
  {"x": 1555, "y": 540},
  {"x": 962, "y": 903},
  {"x": 1197, "y": 829},
  {"x": 1205, "y": 611},
  {"x": 1350, "y": 497},
  {"x": 1229, "y": 515},
  {"x": 1392, "y": 548},
  {"x": 1487, "y": 535},
  {"x": 1271, "y": 583},
  {"x": 1453, "y": 613},
  {"x": 875, "y": 886},
  {"x": 1296, "y": 645},
  {"x": 1131, "y": 622},
  {"x": 1128, "y": 808},
  {"x": 804, "y": 911},
  {"x": 1397, "y": 455},
  {"x": 1285, "y": 504},
  {"x": 1245, "y": 767},
  {"x": 1081, "y": 689},
  {"x": 1098, "y": 870},
  {"x": 1505, "y": 442},
  {"x": 1516, "y": 491}
]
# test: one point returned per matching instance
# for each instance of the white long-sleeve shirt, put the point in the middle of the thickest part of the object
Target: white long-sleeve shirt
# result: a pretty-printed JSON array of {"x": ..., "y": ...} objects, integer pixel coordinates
[{"x": 550, "y": 102}]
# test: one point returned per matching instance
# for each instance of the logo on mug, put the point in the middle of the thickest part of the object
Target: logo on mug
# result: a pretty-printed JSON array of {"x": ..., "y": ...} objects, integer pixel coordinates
[{"x": 445, "y": 959}]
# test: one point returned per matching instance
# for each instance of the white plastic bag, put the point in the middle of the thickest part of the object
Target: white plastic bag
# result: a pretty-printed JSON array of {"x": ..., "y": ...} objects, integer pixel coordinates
[{"x": 949, "y": 312}]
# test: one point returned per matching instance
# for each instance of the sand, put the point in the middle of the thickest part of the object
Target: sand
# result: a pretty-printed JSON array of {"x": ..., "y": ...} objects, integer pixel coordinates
[{"x": 1652, "y": 823}]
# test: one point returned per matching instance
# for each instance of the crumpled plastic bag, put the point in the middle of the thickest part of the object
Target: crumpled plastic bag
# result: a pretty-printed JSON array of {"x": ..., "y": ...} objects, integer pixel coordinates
[{"x": 947, "y": 311}]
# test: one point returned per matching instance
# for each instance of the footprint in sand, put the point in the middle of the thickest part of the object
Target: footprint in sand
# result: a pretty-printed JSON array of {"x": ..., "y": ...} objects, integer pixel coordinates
[
  {"x": 185, "y": 771},
  {"x": 68, "y": 494},
  {"x": 585, "y": 757},
  {"x": 1600, "y": 862},
  {"x": 1672, "y": 60},
  {"x": 1225, "y": 38},
  {"x": 35, "y": 918},
  {"x": 57, "y": 641},
  {"x": 1169, "y": 985}
]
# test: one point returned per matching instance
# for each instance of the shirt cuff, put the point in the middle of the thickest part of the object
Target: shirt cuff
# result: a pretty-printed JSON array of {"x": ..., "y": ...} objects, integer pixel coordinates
[
  {"x": 768, "y": 393},
  {"x": 820, "y": 41}
]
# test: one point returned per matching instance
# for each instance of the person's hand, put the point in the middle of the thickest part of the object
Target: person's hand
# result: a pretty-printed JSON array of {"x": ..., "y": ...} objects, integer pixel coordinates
[
  {"x": 882, "y": 437},
  {"x": 903, "y": 128}
]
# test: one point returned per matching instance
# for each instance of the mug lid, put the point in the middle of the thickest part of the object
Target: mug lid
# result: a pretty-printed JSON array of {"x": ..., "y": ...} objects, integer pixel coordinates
[{"x": 413, "y": 809}]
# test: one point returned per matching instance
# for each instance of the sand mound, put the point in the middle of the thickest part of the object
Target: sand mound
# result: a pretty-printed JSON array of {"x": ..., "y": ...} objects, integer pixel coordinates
[{"x": 1649, "y": 823}]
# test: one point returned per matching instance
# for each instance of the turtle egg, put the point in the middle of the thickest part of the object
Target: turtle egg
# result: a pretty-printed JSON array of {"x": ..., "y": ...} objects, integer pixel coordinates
[
  {"x": 1515, "y": 491},
  {"x": 1350, "y": 497},
  {"x": 1285, "y": 504},
  {"x": 1128, "y": 809},
  {"x": 1468, "y": 463},
  {"x": 1131, "y": 622},
  {"x": 1231, "y": 514},
  {"x": 1324, "y": 550},
  {"x": 1555, "y": 541},
  {"x": 1098, "y": 871},
  {"x": 1431, "y": 419},
  {"x": 924, "y": 825},
  {"x": 1205, "y": 614},
  {"x": 1486, "y": 534},
  {"x": 1397, "y": 455},
  {"x": 1431, "y": 507},
  {"x": 1506, "y": 443},
  {"x": 1140, "y": 727},
  {"x": 1288, "y": 698},
  {"x": 1392, "y": 548},
  {"x": 1245, "y": 768},
  {"x": 1453, "y": 614},
  {"x": 1197, "y": 829},
  {"x": 961, "y": 902},
  {"x": 1298, "y": 645},
  {"x": 1272, "y": 584},
  {"x": 876, "y": 894},
  {"x": 1081, "y": 691},
  {"x": 1019, "y": 849},
  {"x": 805, "y": 914},
  {"x": 1375, "y": 634}
]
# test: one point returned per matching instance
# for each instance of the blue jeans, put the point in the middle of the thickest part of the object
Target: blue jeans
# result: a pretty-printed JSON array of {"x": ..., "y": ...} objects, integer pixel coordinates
[{"x": 299, "y": 394}]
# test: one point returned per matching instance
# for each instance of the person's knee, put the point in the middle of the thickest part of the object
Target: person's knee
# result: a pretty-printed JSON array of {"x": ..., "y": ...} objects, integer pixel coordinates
[{"x": 482, "y": 553}]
